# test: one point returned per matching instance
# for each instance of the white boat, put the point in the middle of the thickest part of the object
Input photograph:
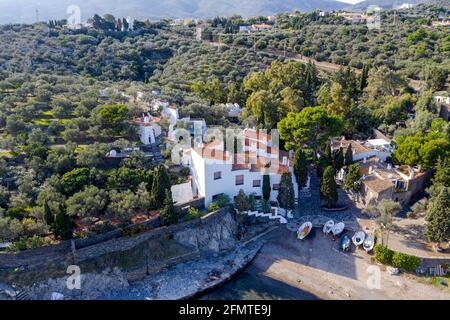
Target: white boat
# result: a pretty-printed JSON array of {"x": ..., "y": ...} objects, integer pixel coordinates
[
  {"x": 368, "y": 243},
  {"x": 338, "y": 228},
  {"x": 393, "y": 271},
  {"x": 304, "y": 230},
  {"x": 328, "y": 227},
  {"x": 358, "y": 238}
]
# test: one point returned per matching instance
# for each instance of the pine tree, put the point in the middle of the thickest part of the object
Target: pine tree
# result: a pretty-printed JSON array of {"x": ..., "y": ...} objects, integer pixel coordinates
[
  {"x": 161, "y": 183},
  {"x": 437, "y": 228},
  {"x": 349, "y": 156},
  {"x": 364, "y": 76},
  {"x": 300, "y": 168},
  {"x": 266, "y": 187},
  {"x": 328, "y": 187},
  {"x": 286, "y": 195},
  {"x": 339, "y": 160},
  {"x": 168, "y": 213},
  {"x": 49, "y": 218},
  {"x": 63, "y": 224}
]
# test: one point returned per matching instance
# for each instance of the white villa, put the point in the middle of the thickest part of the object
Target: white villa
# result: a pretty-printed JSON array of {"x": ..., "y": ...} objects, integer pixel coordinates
[
  {"x": 379, "y": 148},
  {"x": 216, "y": 171},
  {"x": 149, "y": 128}
]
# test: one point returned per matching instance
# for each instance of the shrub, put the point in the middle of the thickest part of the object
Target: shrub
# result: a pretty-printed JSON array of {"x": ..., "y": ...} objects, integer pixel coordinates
[
  {"x": 192, "y": 214},
  {"x": 25, "y": 243},
  {"x": 213, "y": 206},
  {"x": 133, "y": 230},
  {"x": 222, "y": 200},
  {"x": 405, "y": 261},
  {"x": 383, "y": 254}
]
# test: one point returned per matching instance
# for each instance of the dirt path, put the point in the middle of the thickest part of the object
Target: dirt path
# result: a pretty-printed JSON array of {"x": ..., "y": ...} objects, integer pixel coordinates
[{"x": 317, "y": 266}]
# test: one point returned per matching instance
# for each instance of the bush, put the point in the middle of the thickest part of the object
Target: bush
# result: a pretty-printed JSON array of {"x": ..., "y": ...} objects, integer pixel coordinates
[
  {"x": 213, "y": 206},
  {"x": 405, "y": 261},
  {"x": 383, "y": 254},
  {"x": 25, "y": 243},
  {"x": 192, "y": 214},
  {"x": 396, "y": 259},
  {"x": 133, "y": 230},
  {"x": 222, "y": 200}
]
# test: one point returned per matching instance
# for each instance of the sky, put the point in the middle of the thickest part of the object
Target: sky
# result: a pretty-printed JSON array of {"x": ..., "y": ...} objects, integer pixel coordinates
[{"x": 351, "y": 1}]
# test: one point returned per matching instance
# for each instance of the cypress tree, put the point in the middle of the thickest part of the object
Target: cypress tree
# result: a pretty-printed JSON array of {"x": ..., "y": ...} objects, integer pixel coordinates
[
  {"x": 328, "y": 187},
  {"x": 437, "y": 228},
  {"x": 161, "y": 183},
  {"x": 364, "y": 76},
  {"x": 339, "y": 159},
  {"x": 266, "y": 187},
  {"x": 49, "y": 218},
  {"x": 63, "y": 224},
  {"x": 168, "y": 213},
  {"x": 327, "y": 155},
  {"x": 349, "y": 156},
  {"x": 286, "y": 195},
  {"x": 300, "y": 168}
]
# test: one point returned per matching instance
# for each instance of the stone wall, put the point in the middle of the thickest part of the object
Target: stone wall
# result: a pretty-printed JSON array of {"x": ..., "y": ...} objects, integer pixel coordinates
[{"x": 136, "y": 256}]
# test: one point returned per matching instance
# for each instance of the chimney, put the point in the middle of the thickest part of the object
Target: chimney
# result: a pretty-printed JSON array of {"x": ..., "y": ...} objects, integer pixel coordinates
[
  {"x": 411, "y": 173},
  {"x": 285, "y": 161},
  {"x": 389, "y": 166},
  {"x": 365, "y": 160},
  {"x": 370, "y": 170}
]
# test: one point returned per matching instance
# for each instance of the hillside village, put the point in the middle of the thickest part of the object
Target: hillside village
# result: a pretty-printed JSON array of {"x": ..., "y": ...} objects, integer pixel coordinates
[{"x": 156, "y": 125}]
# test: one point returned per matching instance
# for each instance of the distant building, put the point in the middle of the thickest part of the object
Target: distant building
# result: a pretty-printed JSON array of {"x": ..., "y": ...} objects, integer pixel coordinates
[
  {"x": 441, "y": 23},
  {"x": 443, "y": 103},
  {"x": 353, "y": 17},
  {"x": 149, "y": 128},
  {"x": 255, "y": 27}
]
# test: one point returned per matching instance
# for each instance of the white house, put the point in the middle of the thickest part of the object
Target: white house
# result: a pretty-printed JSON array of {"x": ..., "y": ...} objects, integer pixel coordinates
[
  {"x": 216, "y": 172},
  {"x": 379, "y": 148},
  {"x": 149, "y": 128}
]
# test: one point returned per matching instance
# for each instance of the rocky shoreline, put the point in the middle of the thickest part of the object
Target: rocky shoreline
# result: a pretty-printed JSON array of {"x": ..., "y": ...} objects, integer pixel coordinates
[{"x": 183, "y": 281}]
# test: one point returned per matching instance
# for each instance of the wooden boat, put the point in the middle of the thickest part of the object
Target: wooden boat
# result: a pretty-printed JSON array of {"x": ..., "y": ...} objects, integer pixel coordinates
[
  {"x": 344, "y": 244},
  {"x": 392, "y": 271},
  {"x": 304, "y": 230},
  {"x": 358, "y": 238},
  {"x": 328, "y": 227},
  {"x": 368, "y": 243},
  {"x": 338, "y": 228}
]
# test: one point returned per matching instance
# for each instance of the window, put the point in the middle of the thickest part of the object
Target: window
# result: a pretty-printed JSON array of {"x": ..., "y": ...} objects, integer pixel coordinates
[
  {"x": 276, "y": 186},
  {"x": 217, "y": 175},
  {"x": 256, "y": 183},
  {"x": 240, "y": 180}
]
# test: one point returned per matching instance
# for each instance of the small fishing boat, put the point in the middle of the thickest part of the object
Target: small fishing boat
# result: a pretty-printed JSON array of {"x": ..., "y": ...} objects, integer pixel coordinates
[
  {"x": 392, "y": 271},
  {"x": 358, "y": 238},
  {"x": 338, "y": 228},
  {"x": 368, "y": 243},
  {"x": 328, "y": 227},
  {"x": 304, "y": 230},
  {"x": 344, "y": 244}
]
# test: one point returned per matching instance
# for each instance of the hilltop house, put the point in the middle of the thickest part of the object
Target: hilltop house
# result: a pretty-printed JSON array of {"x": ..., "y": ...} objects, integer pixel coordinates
[
  {"x": 353, "y": 17},
  {"x": 443, "y": 103},
  {"x": 216, "y": 171},
  {"x": 149, "y": 128}
]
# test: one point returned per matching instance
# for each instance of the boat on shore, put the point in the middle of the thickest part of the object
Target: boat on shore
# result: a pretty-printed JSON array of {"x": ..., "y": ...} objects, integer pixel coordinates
[
  {"x": 368, "y": 243},
  {"x": 338, "y": 228},
  {"x": 328, "y": 227},
  {"x": 344, "y": 244},
  {"x": 358, "y": 238},
  {"x": 304, "y": 230}
]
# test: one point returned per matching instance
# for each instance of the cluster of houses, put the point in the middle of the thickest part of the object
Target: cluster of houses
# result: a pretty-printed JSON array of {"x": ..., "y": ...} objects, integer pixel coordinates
[
  {"x": 379, "y": 178},
  {"x": 256, "y": 27}
]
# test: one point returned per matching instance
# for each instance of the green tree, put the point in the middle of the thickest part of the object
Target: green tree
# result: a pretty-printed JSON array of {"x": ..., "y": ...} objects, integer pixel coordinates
[
  {"x": 241, "y": 201},
  {"x": 348, "y": 156},
  {"x": 75, "y": 180},
  {"x": 49, "y": 218},
  {"x": 351, "y": 181},
  {"x": 311, "y": 126},
  {"x": 328, "y": 187},
  {"x": 63, "y": 224},
  {"x": 300, "y": 168},
  {"x": 385, "y": 211},
  {"x": 168, "y": 213},
  {"x": 339, "y": 159},
  {"x": 161, "y": 183},
  {"x": 88, "y": 203},
  {"x": 286, "y": 194},
  {"x": 437, "y": 228},
  {"x": 266, "y": 188}
]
